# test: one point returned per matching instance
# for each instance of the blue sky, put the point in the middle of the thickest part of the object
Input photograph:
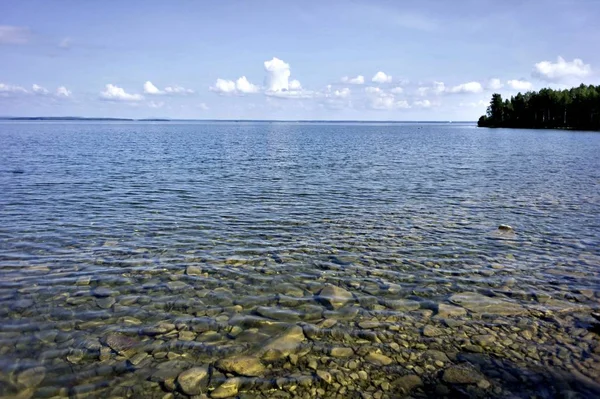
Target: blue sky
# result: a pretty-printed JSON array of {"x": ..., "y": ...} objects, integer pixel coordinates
[{"x": 369, "y": 60}]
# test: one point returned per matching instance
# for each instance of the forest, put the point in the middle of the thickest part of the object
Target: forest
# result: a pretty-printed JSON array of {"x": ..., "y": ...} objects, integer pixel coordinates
[{"x": 575, "y": 108}]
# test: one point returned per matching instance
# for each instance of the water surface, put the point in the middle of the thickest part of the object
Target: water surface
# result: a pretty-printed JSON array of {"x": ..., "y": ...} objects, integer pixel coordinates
[{"x": 132, "y": 252}]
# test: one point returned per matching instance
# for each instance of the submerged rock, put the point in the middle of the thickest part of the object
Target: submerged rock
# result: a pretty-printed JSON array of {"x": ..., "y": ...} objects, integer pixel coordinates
[
  {"x": 478, "y": 303},
  {"x": 228, "y": 389},
  {"x": 194, "y": 380},
  {"x": 407, "y": 383},
  {"x": 120, "y": 343},
  {"x": 462, "y": 374},
  {"x": 446, "y": 311},
  {"x": 248, "y": 366},
  {"x": 32, "y": 377},
  {"x": 334, "y": 297},
  {"x": 378, "y": 359},
  {"x": 283, "y": 345}
]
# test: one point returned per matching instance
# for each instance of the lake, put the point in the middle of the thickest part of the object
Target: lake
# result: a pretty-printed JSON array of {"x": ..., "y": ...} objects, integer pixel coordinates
[{"x": 339, "y": 260}]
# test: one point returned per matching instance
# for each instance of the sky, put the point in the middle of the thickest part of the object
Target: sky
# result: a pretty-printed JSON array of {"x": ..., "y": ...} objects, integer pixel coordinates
[{"x": 327, "y": 59}]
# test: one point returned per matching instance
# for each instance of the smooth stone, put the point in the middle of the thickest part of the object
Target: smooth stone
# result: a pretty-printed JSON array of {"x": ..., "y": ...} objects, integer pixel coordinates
[
  {"x": 283, "y": 345},
  {"x": 403, "y": 305},
  {"x": 446, "y": 311},
  {"x": 484, "y": 340},
  {"x": 32, "y": 377},
  {"x": 193, "y": 270},
  {"x": 378, "y": 359},
  {"x": 120, "y": 343},
  {"x": 369, "y": 324},
  {"x": 431, "y": 331},
  {"x": 407, "y": 383},
  {"x": 462, "y": 374},
  {"x": 178, "y": 286},
  {"x": 280, "y": 314},
  {"x": 192, "y": 381},
  {"x": 248, "y": 366},
  {"x": 341, "y": 352},
  {"x": 228, "y": 389},
  {"x": 106, "y": 302},
  {"x": 138, "y": 358},
  {"x": 325, "y": 376},
  {"x": 478, "y": 303},
  {"x": 21, "y": 305},
  {"x": 334, "y": 297}
]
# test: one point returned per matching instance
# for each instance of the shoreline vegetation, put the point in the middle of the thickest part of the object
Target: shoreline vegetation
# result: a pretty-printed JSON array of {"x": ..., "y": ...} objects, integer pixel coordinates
[{"x": 575, "y": 109}]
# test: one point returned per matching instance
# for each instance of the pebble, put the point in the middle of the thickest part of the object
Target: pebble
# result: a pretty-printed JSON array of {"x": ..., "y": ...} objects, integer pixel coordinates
[
  {"x": 341, "y": 352},
  {"x": 193, "y": 381},
  {"x": 378, "y": 359},
  {"x": 248, "y": 366},
  {"x": 228, "y": 389},
  {"x": 431, "y": 331}
]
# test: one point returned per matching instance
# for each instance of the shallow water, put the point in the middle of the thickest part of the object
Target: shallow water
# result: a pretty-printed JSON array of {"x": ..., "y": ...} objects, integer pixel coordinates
[{"x": 132, "y": 252}]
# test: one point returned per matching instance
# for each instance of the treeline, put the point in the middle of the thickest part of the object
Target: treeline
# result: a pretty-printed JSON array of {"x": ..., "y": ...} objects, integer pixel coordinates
[{"x": 577, "y": 108}]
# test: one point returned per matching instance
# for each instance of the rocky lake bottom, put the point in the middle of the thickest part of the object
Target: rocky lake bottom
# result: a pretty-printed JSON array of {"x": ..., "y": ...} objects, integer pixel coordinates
[{"x": 228, "y": 271}]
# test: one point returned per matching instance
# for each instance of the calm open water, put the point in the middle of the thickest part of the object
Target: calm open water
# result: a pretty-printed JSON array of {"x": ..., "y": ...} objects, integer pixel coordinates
[{"x": 339, "y": 260}]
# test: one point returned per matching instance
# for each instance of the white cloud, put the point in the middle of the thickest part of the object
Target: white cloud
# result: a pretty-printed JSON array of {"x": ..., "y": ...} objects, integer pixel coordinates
[
  {"x": 149, "y": 88},
  {"x": 14, "y": 34},
  {"x": 388, "y": 103},
  {"x": 39, "y": 90},
  {"x": 243, "y": 86},
  {"x": 561, "y": 70},
  {"x": 203, "y": 106},
  {"x": 223, "y": 86},
  {"x": 278, "y": 74},
  {"x": 494, "y": 84},
  {"x": 469, "y": 87},
  {"x": 178, "y": 90},
  {"x": 436, "y": 88},
  {"x": 358, "y": 80},
  {"x": 373, "y": 90},
  {"x": 397, "y": 90},
  {"x": 519, "y": 84},
  {"x": 115, "y": 93},
  {"x": 338, "y": 93},
  {"x": 422, "y": 104},
  {"x": 8, "y": 90},
  {"x": 290, "y": 94},
  {"x": 381, "y": 77},
  {"x": 295, "y": 85},
  {"x": 63, "y": 92},
  {"x": 240, "y": 86}
]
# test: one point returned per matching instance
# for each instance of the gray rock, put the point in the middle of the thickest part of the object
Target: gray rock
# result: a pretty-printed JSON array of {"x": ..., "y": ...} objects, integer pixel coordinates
[
  {"x": 446, "y": 311},
  {"x": 120, "y": 343},
  {"x": 32, "y": 377},
  {"x": 478, "y": 303},
  {"x": 431, "y": 331},
  {"x": 505, "y": 227},
  {"x": 280, "y": 314},
  {"x": 228, "y": 389},
  {"x": 283, "y": 345},
  {"x": 103, "y": 292},
  {"x": 248, "y": 366},
  {"x": 462, "y": 374},
  {"x": 403, "y": 305},
  {"x": 193, "y": 381},
  {"x": 193, "y": 270},
  {"x": 378, "y": 359},
  {"x": 407, "y": 383},
  {"x": 334, "y": 297}
]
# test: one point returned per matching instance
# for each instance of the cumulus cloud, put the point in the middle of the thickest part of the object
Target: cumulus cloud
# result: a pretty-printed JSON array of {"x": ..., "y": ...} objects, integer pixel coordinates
[
  {"x": 397, "y": 90},
  {"x": 516, "y": 84},
  {"x": 203, "y": 106},
  {"x": 39, "y": 90},
  {"x": 381, "y": 77},
  {"x": 561, "y": 70},
  {"x": 295, "y": 85},
  {"x": 388, "y": 103},
  {"x": 494, "y": 84},
  {"x": 435, "y": 88},
  {"x": 244, "y": 86},
  {"x": 358, "y": 80},
  {"x": 178, "y": 90},
  {"x": 115, "y": 93},
  {"x": 14, "y": 34},
  {"x": 337, "y": 93},
  {"x": 469, "y": 87},
  {"x": 278, "y": 74},
  {"x": 63, "y": 92},
  {"x": 7, "y": 90},
  {"x": 149, "y": 88},
  {"x": 240, "y": 86},
  {"x": 373, "y": 90}
]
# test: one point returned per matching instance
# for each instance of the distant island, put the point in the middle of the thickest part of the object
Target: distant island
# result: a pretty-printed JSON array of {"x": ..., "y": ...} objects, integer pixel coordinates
[{"x": 576, "y": 108}]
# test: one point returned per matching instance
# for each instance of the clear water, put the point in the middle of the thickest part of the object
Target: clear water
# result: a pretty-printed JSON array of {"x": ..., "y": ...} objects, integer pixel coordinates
[{"x": 268, "y": 214}]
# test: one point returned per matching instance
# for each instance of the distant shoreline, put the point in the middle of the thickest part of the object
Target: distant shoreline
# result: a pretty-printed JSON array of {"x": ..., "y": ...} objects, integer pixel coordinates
[{"x": 76, "y": 119}]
